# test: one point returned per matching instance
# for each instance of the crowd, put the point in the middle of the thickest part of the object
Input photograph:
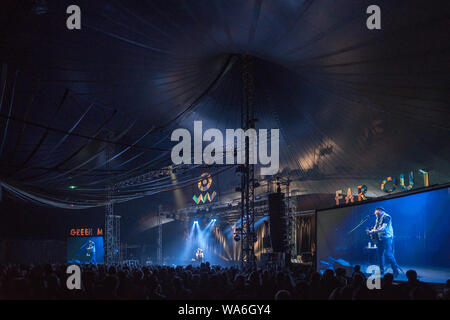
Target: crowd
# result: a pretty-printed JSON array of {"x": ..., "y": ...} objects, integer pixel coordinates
[{"x": 204, "y": 283}]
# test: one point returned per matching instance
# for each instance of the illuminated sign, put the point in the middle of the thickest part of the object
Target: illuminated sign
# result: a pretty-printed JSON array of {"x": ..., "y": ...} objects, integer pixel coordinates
[
  {"x": 203, "y": 198},
  {"x": 388, "y": 185},
  {"x": 86, "y": 232},
  {"x": 203, "y": 185}
]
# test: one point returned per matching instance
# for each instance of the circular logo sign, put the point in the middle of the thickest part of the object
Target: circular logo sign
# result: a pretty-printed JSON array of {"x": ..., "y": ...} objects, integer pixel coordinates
[{"x": 205, "y": 183}]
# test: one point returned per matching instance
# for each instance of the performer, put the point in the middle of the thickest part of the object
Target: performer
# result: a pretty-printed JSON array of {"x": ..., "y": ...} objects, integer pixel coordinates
[
  {"x": 199, "y": 255},
  {"x": 383, "y": 234},
  {"x": 91, "y": 252}
]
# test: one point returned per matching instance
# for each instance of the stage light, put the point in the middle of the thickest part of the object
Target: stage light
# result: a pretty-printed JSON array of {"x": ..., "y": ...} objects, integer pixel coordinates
[{"x": 72, "y": 187}]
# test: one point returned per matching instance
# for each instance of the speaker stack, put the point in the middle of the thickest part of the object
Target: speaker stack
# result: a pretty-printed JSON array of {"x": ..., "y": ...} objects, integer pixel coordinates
[{"x": 278, "y": 222}]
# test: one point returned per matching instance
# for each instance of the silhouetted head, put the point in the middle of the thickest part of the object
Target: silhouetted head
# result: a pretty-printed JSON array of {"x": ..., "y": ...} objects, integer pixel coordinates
[
  {"x": 315, "y": 276},
  {"x": 358, "y": 280},
  {"x": 411, "y": 275},
  {"x": 112, "y": 270},
  {"x": 340, "y": 272},
  {"x": 388, "y": 278},
  {"x": 283, "y": 295},
  {"x": 328, "y": 274}
]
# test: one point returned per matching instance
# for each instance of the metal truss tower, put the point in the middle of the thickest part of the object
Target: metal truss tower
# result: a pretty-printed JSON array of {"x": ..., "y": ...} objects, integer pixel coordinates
[
  {"x": 112, "y": 221},
  {"x": 159, "y": 258},
  {"x": 288, "y": 218},
  {"x": 248, "y": 234},
  {"x": 291, "y": 222},
  {"x": 112, "y": 236}
]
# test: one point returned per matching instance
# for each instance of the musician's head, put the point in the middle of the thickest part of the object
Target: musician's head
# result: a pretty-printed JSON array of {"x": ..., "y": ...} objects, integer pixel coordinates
[{"x": 379, "y": 211}]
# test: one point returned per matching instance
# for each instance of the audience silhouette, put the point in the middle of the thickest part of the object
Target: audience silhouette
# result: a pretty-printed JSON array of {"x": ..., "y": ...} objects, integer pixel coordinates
[{"x": 206, "y": 282}]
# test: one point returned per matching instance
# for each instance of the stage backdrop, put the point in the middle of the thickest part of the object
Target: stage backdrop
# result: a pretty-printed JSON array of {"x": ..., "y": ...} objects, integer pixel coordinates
[{"x": 421, "y": 223}]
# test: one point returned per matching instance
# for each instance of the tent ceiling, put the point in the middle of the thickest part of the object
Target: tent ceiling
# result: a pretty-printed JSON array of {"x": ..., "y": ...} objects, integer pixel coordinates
[{"x": 353, "y": 105}]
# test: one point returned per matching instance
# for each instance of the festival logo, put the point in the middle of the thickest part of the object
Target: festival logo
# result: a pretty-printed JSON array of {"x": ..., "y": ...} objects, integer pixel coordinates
[{"x": 204, "y": 185}]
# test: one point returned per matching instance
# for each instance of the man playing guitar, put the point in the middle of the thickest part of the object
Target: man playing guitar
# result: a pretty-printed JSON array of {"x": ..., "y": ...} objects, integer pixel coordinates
[
  {"x": 199, "y": 255},
  {"x": 383, "y": 234},
  {"x": 91, "y": 252}
]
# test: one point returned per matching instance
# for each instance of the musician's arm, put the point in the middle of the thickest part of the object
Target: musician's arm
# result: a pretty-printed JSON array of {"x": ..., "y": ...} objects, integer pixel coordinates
[
  {"x": 373, "y": 229},
  {"x": 384, "y": 224},
  {"x": 381, "y": 229}
]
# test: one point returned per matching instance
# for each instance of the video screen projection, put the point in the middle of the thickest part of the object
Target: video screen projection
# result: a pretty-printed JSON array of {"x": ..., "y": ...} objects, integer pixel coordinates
[
  {"x": 420, "y": 224},
  {"x": 88, "y": 250}
]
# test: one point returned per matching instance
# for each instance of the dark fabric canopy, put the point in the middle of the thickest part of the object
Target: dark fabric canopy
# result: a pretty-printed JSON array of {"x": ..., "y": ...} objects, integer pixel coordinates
[{"x": 95, "y": 107}]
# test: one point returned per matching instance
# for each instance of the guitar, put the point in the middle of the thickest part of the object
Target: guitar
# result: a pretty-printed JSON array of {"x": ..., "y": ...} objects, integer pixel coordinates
[
  {"x": 373, "y": 236},
  {"x": 89, "y": 250},
  {"x": 199, "y": 254}
]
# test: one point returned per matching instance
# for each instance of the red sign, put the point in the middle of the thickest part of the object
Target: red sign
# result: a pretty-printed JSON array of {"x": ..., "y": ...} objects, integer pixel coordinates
[{"x": 86, "y": 232}]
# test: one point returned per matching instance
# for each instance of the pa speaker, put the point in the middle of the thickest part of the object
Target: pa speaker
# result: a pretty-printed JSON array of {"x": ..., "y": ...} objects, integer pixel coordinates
[{"x": 278, "y": 223}]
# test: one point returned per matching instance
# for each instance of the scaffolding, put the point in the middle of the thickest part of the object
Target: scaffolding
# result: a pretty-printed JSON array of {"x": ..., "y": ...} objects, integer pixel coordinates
[
  {"x": 159, "y": 257},
  {"x": 112, "y": 236},
  {"x": 288, "y": 217},
  {"x": 112, "y": 221},
  {"x": 248, "y": 234}
]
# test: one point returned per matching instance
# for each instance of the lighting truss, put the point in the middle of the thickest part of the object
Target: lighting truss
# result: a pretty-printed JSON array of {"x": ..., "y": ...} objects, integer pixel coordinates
[{"x": 248, "y": 234}]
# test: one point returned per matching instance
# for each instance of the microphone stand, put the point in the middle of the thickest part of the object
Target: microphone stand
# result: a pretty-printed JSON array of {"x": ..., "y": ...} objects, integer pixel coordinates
[{"x": 360, "y": 224}]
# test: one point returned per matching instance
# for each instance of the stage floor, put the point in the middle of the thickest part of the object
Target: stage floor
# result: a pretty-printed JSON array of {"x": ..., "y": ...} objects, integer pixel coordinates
[
  {"x": 425, "y": 274},
  {"x": 429, "y": 275}
]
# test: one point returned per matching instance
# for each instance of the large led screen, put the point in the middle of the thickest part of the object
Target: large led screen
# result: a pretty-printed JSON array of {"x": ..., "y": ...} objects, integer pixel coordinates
[
  {"x": 85, "y": 250},
  {"x": 420, "y": 224}
]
